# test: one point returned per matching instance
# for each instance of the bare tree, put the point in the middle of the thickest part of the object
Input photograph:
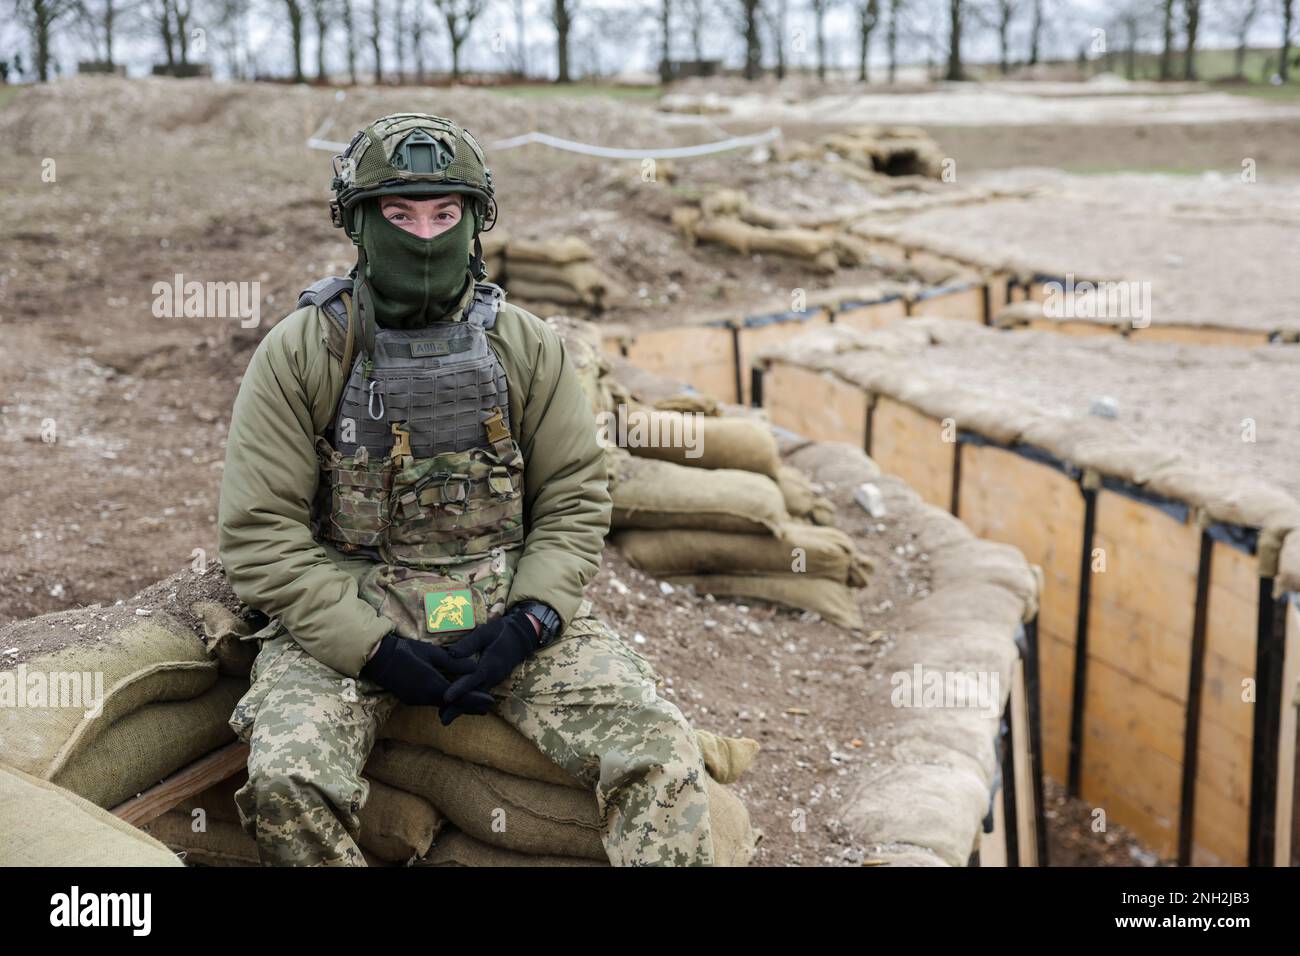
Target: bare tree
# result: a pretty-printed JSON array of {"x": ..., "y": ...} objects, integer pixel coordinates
[
  {"x": 460, "y": 16},
  {"x": 399, "y": 38},
  {"x": 321, "y": 13},
  {"x": 697, "y": 16},
  {"x": 350, "y": 32},
  {"x": 106, "y": 20},
  {"x": 891, "y": 38},
  {"x": 1192, "y": 16},
  {"x": 1284, "y": 57},
  {"x": 774, "y": 16},
  {"x": 521, "y": 53},
  {"x": 819, "y": 8},
  {"x": 868, "y": 12},
  {"x": 1036, "y": 33},
  {"x": 1167, "y": 51},
  {"x": 419, "y": 25},
  {"x": 1237, "y": 17},
  {"x": 42, "y": 19},
  {"x": 562, "y": 13},
  {"x": 955, "y": 69},
  {"x": 750, "y": 13},
  {"x": 1006, "y": 11},
  {"x": 295, "y": 12},
  {"x": 376, "y": 39},
  {"x": 665, "y": 40}
]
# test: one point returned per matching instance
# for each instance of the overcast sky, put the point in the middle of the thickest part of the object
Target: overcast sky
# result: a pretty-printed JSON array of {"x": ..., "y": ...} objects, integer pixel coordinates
[{"x": 622, "y": 35}]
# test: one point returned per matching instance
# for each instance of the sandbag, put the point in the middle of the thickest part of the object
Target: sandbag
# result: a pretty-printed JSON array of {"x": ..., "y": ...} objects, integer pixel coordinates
[
  {"x": 396, "y": 826},
  {"x": 830, "y": 599},
  {"x": 454, "y": 848},
  {"x": 584, "y": 279},
  {"x": 491, "y": 742},
  {"x": 745, "y": 444},
  {"x": 227, "y": 637},
  {"x": 543, "y": 292},
  {"x": 648, "y": 493},
  {"x": 539, "y": 818},
  {"x": 142, "y": 660},
  {"x": 42, "y": 824},
  {"x": 220, "y": 843},
  {"x": 823, "y": 553},
  {"x": 142, "y": 748},
  {"x": 800, "y": 499},
  {"x": 560, "y": 250}
]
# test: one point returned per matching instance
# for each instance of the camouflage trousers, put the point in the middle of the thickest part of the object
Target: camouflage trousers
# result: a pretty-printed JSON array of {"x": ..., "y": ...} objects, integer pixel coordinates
[{"x": 587, "y": 701}]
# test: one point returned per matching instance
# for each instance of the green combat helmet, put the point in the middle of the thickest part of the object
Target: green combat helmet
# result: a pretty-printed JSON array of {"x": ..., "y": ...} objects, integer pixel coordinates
[{"x": 413, "y": 154}]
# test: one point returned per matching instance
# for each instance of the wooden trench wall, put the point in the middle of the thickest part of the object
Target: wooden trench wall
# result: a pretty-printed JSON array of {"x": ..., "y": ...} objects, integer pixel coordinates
[{"x": 1166, "y": 662}]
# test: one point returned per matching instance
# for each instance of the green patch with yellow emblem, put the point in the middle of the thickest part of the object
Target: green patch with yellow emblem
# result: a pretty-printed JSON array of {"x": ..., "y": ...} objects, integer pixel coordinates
[{"x": 449, "y": 610}]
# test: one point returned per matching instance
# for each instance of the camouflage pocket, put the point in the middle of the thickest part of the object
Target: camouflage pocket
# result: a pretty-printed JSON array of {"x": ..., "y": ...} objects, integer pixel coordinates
[
  {"x": 455, "y": 505},
  {"x": 439, "y": 606},
  {"x": 358, "y": 492}
]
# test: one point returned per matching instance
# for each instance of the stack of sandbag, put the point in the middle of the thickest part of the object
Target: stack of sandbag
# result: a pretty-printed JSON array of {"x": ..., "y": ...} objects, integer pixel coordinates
[
  {"x": 728, "y": 218},
  {"x": 107, "y": 702},
  {"x": 494, "y": 244},
  {"x": 396, "y": 827},
  {"x": 42, "y": 824},
  {"x": 713, "y": 508},
  {"x": 480, "y": 771},
  {"x": 868, "y": 151},
  {"x": 557, "y": 275}
]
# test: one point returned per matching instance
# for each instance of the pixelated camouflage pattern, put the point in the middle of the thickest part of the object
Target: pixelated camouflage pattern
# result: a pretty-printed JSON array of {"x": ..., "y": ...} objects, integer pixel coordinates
[{"x": 588, "y": 701}]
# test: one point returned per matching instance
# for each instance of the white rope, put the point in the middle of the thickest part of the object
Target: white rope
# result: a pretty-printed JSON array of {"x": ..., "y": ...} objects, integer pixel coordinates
[{"x": 586, "y": 149}]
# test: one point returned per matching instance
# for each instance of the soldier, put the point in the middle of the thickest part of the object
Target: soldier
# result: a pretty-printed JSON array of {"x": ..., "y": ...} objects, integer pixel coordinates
[{"x": 414, "y": 493}]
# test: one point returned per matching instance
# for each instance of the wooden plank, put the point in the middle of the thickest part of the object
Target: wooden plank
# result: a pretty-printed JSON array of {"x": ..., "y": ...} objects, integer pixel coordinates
[
  {"x": 1222, "y": 817},
  {"x": 755, "y": 338},
  {"x": 997, "y": 283},
  {"x": 183, "y": 784},
  {"x": 911, "y": 445},
  {"x": 995, "y": 486},
  {"x": 1072, "y": 327},
  {"x": 1200, "y": 335},
  {"x": 814, "y": 404},
  {"x": 700, "y": 354},
  {"x": 1022, "y": 759},
  {"x": 993, "y": 846},
  {"x": 965, "y": 305},
  {"x": 874, "y": 315},
  {"x": 1287, "y": 805},
  {"x": 925, "y": 259}
]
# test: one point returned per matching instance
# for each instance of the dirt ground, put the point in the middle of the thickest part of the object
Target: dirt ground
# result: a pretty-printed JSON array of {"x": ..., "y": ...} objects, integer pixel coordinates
[{"x": 112, "y": 420}]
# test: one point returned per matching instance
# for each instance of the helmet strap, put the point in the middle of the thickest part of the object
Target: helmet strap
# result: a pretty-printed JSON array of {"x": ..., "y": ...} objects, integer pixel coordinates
[
  {"x": 365, "y": 304},
  {"x": 477, "y": 267}
]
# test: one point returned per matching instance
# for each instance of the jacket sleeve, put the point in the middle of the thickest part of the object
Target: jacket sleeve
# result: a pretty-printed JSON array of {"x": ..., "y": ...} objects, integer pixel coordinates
[
  {"x": 271, "y": 473},
  {"x": 566, "y": 492}
]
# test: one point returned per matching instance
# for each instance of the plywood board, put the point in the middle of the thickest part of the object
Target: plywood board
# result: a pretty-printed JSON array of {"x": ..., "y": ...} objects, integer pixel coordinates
[
  {"x": 815, "y": 404},
  {"x": 1026, "y": 810},
  {"x": 700, "y": 354},
  {"x": 1073, "y": 327},
  {"x": 1287, "y": 804},
  {"x": 755, "y": 338},
  {"x": 874, "y": 315},
  {"x": 906, "y": 443},
  {"x": 1200, "y": 335},
  {"x": 1007, "y": 497},
  {"x": 965, "y": 305}
]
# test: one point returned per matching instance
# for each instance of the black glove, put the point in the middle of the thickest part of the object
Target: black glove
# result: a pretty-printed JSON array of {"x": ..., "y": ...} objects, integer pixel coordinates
[
  {"x": 502, "y": 645},
  {"x": 413, "y": 670}
]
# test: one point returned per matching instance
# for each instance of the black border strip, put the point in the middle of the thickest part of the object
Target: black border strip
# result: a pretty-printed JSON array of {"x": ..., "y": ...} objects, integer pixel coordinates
[
  {"x": 934, "y": 292},
  {"x": 1032, "y": 452},
  {"x": 755, "y": 387},
  {"x": 871, "y": 422},
  {"x": 1195, "y": 682},
  {"x": 1241, "y": 537},
  {"x": 954, "y": 495},
  {"x": 855, "y": 304},
  {"x": 1075, "y": 772},
  {"x": 988, "y": 303},
  {"x": 737, "y": 374},
  {"x": 1178, "y": 510},
  {"x": 1270, "y": 647},
  {"x": 781, "y": 318}
]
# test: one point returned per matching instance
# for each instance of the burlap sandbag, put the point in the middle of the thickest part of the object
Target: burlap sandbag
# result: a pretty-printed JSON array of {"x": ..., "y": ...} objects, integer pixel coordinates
[
  {"x": 142, "y": 748},
  {"x": 584, "y": 279},
  {"x": 802, "y": 548},
  {"x": 530, "y": 816},
  {"x": 830, "y": 599},
  {"x": 227, "y": 637},
  {"x": 490, "y": 741},
  {"x": 219, "y": 843},
  {"x": 659, "y": 494},
  {"x": 454, "y": 848},
  {"x": 745, "y": 444},
  {"x": 42, "y": 824},
  {"x": 543, "y": 291},
  {"x": 143, "y": 660},
  {"x": 396, "y": 826},
  {"x": 800, "y": 498},
  {"x": 561, "y": 250}
]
